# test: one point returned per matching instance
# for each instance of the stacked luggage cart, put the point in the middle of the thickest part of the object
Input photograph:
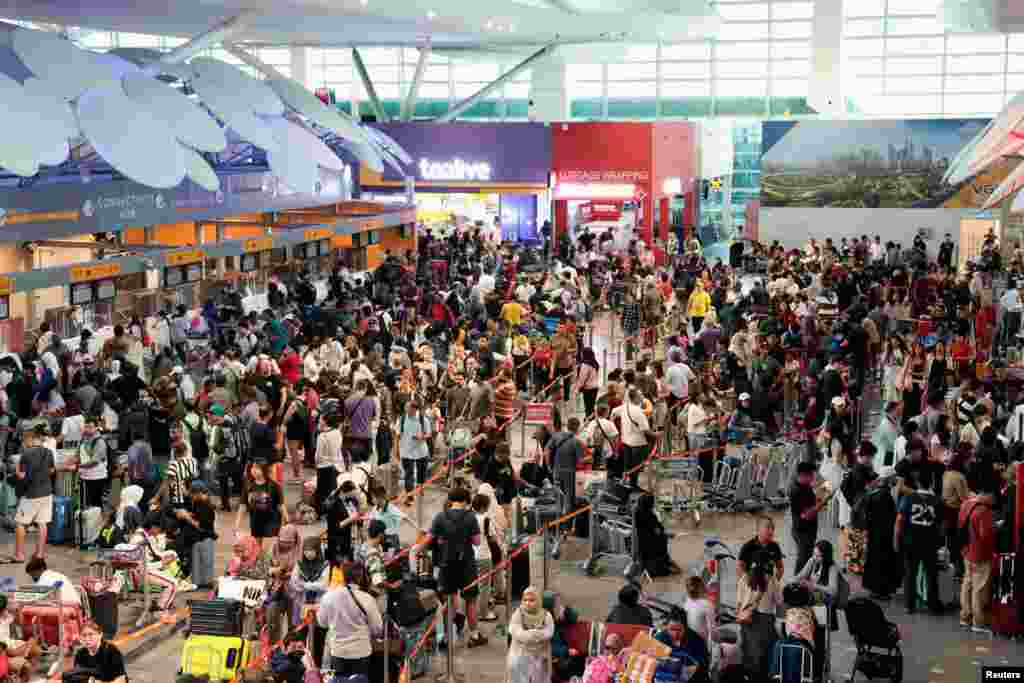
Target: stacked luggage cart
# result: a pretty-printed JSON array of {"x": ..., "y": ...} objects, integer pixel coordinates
[{"x": 613, "y": 537}]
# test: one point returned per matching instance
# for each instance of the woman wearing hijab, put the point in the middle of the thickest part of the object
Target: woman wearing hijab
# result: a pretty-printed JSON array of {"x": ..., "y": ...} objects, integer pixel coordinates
[
  {"x": 309, "y": 581},
  {"x": 530, "y": 629},
  {"x": 653, "y": 541},
  {"x": 283, "y": 556},
  {"x": 588, "y": 380},
  {"x": 129, "y": 515}
]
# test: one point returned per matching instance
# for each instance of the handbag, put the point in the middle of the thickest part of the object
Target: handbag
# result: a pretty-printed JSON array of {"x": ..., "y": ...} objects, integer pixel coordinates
[{"x": 393, "y": 646}]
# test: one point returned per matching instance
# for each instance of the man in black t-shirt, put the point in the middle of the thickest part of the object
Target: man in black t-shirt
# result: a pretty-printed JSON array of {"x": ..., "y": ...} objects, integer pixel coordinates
[
  {"x": 915, "y": 467},
  {"x": 762, "y": 546},
  {"x": 454, "y": 532},
  {"x": 102, "y": 658},
  {"x": 804, "y": 507}
]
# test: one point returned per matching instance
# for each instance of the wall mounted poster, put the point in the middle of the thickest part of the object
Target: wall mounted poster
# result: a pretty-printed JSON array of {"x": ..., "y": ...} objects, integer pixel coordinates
[{"x": 889, "y": 164}]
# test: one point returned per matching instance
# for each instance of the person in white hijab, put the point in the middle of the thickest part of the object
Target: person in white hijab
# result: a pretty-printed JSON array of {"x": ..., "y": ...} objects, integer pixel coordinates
[{"x": 129, "y": 515}]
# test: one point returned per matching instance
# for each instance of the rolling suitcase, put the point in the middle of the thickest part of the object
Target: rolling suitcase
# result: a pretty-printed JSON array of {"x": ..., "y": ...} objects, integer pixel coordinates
[
  {"x": 218, "y": 657},
  {"x": 215, "y": 617},
  {"x": 1006, "y": 607},
  {"x": 59, "y": 530},
  {"x": 92, "y": 519},
  {"x": 519, "y": 570}
]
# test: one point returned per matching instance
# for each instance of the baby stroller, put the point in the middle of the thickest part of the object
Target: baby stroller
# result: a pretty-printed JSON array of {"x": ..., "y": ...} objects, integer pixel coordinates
[{"x": 877, "y": 640}]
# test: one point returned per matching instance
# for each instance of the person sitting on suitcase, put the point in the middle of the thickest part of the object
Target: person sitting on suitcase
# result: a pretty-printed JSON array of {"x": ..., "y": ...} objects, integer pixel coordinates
[
  {"x": 160, "y": 565},
  {"x": 20, "y": 654},
  {"x": 101, "y": 657},
  {"x": 43, "y": 576}
]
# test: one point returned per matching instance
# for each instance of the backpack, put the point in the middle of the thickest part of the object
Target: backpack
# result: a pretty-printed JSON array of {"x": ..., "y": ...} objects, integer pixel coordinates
[
  {"x": 963, "y": 531},
  {"x": 198, "y": 442},
  {"x": 453, "y": 551},
  {"x": 846, "y": 487}
]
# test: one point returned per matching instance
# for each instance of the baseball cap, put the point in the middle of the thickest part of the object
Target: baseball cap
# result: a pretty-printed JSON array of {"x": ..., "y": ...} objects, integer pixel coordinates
[
  {"x": 217, "y": 410},
  {"x": 744, "y": 396}
]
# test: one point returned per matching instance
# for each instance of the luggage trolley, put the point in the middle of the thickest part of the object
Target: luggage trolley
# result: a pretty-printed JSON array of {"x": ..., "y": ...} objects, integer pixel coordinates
[
  {"x": 130, "y": 557},
  {"x": 686, "y": 479},
  {"x": 612, "y": 534},
  {"x": 42, "y": 615}
]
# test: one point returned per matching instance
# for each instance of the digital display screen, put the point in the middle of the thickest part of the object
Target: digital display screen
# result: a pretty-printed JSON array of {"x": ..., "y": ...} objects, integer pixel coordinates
[
  {"x": 106, "y": 289},
  {"x": 250, "y": 262},
  {"x": 312, "y": 250},
  {"x": 172, "y": 276},
  {"x": 194, "y": 273},
  {"x": 81, "y": 293}
]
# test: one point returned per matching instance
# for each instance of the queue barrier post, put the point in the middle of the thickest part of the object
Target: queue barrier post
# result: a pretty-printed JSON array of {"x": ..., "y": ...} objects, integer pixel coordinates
[
  {"x": 522, "y": 436},
  {"x": 604, "y": 367},
  {"x": 419, "y": 504},
  {"x": 544, "y": 561}
]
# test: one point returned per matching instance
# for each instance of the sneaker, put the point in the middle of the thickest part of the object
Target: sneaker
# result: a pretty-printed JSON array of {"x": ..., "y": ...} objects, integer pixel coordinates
[
  {"x": 490, "y": 616},
  {"x": 981, "y": 629},
  {"x": 476, "y": 640},
  {"x": 966, "y": 624}
]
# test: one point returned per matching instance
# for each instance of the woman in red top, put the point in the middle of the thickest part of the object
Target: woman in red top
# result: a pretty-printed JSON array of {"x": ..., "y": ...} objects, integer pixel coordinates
[
  {"x": 541, "y": 364},
  {"x": 290, "y": 366},
  {"x": 962, "y": 354}
]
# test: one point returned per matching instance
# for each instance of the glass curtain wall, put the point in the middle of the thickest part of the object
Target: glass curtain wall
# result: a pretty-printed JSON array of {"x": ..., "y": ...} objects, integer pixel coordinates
[
  {"x": 739, "y": 189},
  {"x": 445, "y": 82},
  {"x": 900, "y": 61},
  {"x": 758, "y": 65}
]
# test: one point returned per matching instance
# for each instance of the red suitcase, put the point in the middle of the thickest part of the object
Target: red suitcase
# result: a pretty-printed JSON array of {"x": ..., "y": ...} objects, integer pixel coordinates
[
  {"x": 1007, "y": 571},
  {"x": 44, "y": 620}
]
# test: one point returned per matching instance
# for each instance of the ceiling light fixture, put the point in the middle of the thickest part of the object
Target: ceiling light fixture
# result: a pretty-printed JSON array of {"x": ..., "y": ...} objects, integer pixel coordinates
[
  {"x": 489, "y": 25},
  {"x": 364, "y": 3},
  {"x": 431, "y": 14}
]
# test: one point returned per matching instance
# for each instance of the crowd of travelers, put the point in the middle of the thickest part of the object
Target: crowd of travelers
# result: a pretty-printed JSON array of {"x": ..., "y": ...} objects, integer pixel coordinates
[{"x": 393, "y": 377}]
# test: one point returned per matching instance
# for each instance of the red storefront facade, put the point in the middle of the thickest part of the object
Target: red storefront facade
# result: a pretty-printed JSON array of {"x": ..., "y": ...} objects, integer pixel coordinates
[{"x": 641, "y": 164}]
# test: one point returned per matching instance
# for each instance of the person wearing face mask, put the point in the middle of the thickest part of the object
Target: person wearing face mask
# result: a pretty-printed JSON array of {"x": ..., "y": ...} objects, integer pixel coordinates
[
  {"x": 530, "y": 630},
  {"x": 100, "y": 657},
  {"x": 310, "y": 579}
]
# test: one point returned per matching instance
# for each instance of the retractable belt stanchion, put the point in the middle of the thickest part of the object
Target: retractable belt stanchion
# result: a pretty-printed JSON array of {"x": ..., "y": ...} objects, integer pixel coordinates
[
  {"x": 449, "y": 674},
  {"x": 604, "y": 367},
  {"x": 544, "y": 562},
  {"x": 419, "y": 504}
]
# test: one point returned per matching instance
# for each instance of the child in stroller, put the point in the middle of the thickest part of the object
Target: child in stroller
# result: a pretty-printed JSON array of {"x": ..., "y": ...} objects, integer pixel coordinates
[{"x": 877, "y": 640}]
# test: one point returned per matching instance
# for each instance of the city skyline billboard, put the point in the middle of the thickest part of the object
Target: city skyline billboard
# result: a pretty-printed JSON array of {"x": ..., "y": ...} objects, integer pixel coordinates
[{"x": 870, "y": 164}]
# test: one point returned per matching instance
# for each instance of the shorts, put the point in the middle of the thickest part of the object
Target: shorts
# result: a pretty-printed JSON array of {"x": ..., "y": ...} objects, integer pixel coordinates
[
  {"x": 455, "y": 580},
  {"x": 38, "y": 510}
]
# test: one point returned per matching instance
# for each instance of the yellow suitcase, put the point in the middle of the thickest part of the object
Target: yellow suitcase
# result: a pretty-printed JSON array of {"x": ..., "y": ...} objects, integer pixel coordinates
[{"x": 219, "y": 657}]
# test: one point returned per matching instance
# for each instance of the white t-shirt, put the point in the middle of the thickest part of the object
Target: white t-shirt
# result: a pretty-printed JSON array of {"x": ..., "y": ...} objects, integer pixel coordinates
[
  {"x": 700, "y": 617},
  {"x": 634, "y": 424},
  {"x": 599, "y": 432},
  {"x": 71, "y": 428},
  {"x": 68, "y": 592},
  {"x": 483, "y": 550},
  {"x": 678, "y": 379}
]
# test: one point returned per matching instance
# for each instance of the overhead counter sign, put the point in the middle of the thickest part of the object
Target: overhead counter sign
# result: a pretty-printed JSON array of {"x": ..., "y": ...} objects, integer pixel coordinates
[
  {"x": 260, "y": 244},
  {"x": 184, "y": 258},
  {"x": 97, "y": 271},
  {"x": 6, "y": 288}
]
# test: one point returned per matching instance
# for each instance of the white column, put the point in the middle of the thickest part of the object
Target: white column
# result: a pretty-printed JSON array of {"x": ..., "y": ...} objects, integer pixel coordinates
[
  {"x": 300, "y": 66},
  {"x": 825, "y": 89},
  {"x": 547, "y": 90}
]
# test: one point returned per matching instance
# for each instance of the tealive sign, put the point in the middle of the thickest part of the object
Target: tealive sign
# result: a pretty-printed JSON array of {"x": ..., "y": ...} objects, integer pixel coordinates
[{"x": 454, "y": 170}]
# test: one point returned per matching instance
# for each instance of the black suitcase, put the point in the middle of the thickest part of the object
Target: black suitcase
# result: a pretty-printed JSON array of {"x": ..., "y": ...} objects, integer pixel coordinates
[
  {"x": 519, "y": 570},
  {"x": 103, "y": 609},
  {"x": 215, "y": 617}
]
